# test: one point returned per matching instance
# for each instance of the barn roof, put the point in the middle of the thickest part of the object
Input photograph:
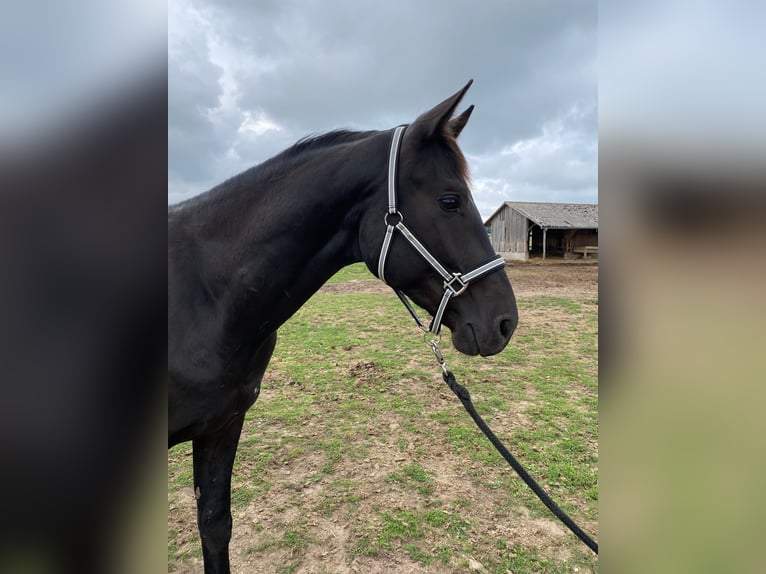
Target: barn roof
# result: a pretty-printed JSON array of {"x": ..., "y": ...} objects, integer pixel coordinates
[{"x": 555, "y": 215}]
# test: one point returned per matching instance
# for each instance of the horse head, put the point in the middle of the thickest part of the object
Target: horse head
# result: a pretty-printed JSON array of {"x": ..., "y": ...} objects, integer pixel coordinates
[{"x": 433, "y": 203}]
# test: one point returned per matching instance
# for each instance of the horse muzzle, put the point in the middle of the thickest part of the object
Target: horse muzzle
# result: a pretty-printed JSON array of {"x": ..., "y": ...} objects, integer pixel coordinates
[{"x": 485, "y": 339}]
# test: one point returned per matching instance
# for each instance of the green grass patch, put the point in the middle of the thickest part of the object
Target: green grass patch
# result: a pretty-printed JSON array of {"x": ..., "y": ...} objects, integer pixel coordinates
[
  {"x": 413, "y": 476},
  {"x": 354, "y": 409},
  {"x": 565, "y": 304},
  {"x": 296, "y": 539},
  {"x": 241, "y": 496},
  {"x": 354, "y": 272},
  {"x": 410, "y": 531},
  {"x": 520, "y": 559},
  {"x": 402, "y": 526},
  {"x": 451, "y": 522}
]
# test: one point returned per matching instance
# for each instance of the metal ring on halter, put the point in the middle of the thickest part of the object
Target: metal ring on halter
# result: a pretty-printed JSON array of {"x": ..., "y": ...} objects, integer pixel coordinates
[{"x": 399, "y": 213}]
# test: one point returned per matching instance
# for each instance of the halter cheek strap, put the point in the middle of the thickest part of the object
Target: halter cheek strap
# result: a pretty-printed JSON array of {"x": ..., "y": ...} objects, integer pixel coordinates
[{"x": 454, "y": 283}]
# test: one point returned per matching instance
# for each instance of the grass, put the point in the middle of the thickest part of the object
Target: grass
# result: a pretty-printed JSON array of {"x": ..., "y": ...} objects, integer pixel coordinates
[
  {"x": 414, "y": 476},
  {"x": 354, "y": 272},
  {"x": 354, "y": 428}
]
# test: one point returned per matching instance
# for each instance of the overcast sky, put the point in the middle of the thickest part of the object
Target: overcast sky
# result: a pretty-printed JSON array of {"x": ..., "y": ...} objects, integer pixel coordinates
[{"x": 247, "y": 79}]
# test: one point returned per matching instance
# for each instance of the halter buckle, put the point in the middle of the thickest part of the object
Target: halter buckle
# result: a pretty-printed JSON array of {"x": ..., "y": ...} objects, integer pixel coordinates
[{"x": 449, "y": 285}]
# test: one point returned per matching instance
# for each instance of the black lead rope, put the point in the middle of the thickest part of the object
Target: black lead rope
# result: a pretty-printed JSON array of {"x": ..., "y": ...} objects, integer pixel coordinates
[{"x": 465, "y": 398}]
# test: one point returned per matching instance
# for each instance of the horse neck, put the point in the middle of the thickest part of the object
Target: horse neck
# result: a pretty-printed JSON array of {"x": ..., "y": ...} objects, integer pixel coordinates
[{"x": 270, "y": 243}]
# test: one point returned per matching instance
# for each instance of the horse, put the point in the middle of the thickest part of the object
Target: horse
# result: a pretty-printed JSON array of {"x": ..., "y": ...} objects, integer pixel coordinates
[{"x": 244, "y": 256}]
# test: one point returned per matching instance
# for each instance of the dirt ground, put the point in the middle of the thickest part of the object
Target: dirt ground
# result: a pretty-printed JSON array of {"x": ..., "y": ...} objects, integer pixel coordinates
[
  {"x": 557, "y": 278},
  {"x": 297, "y": 499}
]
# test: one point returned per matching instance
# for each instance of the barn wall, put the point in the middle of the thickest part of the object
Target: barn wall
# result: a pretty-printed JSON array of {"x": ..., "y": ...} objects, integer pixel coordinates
[
  {"x": 508, "y": 233},
  {"x": 585, "y": 237},
  {"x": 498, "y": 230}
]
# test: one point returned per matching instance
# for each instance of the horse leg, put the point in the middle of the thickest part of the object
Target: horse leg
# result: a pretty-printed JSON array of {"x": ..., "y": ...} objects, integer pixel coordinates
[{"x": 213, "y": 461}]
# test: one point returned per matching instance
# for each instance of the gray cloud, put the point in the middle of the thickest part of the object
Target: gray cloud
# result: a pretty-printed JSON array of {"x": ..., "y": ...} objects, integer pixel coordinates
[{"x": 254, "y": 77}]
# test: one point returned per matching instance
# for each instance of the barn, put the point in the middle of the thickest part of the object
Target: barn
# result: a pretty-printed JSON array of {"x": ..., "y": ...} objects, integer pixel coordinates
[{"x": 520, "y": 230}]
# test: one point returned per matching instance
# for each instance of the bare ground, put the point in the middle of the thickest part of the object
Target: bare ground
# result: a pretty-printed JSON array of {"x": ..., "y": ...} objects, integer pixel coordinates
[
  {"x": 297, "y": 501},
  {"x": 577, "y": 279}
]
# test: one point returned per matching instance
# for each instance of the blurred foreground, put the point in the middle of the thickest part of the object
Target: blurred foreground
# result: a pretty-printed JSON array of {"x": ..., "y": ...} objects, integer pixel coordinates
[{"x": 82, "y": 298}]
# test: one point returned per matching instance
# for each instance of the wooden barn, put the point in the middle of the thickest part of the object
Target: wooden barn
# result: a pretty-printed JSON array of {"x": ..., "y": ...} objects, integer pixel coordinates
[{"x": 519, "y": 230}]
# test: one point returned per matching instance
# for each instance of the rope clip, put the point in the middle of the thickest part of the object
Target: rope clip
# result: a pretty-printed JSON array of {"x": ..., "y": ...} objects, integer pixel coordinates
[{"x": 434, "y": 344}]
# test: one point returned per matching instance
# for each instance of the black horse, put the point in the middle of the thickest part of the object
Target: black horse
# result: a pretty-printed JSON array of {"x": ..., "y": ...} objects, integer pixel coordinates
[{"x": 243, "y": 257}]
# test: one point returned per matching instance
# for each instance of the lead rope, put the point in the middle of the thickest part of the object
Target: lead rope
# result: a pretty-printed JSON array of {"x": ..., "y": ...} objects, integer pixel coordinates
[
  {"x": 454, "y": 285},
  {"x": 462, "y": 393}
]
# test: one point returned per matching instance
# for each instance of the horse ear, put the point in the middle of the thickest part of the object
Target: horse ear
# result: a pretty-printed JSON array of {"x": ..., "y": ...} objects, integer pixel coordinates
[
  {"x": 433, "y": 122},
  {"x": 457, "y": 124}
]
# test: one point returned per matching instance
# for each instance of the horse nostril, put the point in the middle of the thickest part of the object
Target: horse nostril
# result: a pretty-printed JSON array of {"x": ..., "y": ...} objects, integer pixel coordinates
[{"x": 507, "y": 327}]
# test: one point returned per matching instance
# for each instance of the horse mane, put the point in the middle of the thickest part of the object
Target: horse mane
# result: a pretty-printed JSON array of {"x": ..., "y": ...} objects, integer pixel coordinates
[
  {"x": 303, "y": 147},
  {"x": 321, "y": 141},
  {"x": 276, "y": 164}
]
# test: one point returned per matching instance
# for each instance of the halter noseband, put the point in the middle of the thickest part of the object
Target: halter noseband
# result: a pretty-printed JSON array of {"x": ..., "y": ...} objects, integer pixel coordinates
[{"x": 454, "y": 283}]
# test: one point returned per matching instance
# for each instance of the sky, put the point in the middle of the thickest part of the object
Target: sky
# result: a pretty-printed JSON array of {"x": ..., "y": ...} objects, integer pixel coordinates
[
  {"x": 62, "y": 61},
  {"x": 248, "y": 79}
]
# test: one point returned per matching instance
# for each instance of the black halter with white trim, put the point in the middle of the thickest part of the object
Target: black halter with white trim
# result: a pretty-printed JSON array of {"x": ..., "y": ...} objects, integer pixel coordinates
[{"x": 454, "y": 283}]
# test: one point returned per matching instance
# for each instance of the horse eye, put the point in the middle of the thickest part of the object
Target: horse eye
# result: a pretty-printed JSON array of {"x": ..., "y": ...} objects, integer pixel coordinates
[{"x": 450, "y": 203}]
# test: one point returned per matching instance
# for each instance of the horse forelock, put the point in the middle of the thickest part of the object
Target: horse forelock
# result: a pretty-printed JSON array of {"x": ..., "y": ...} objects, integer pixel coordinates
[{"x": 460, "y": 163}]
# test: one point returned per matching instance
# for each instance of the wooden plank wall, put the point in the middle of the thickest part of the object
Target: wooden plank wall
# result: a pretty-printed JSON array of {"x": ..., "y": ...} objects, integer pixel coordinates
[
  {"x": 508, "y": 232},
  {"x": 585, "y": 237}
]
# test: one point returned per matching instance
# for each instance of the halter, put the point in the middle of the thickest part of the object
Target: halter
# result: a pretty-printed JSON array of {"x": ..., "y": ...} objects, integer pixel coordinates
[{"x": 454, "y": 283}]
